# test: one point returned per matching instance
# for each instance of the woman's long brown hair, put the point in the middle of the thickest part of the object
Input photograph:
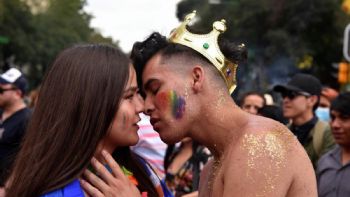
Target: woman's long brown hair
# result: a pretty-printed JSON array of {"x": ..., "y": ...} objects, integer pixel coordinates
[{"x": 78, "y": 100}]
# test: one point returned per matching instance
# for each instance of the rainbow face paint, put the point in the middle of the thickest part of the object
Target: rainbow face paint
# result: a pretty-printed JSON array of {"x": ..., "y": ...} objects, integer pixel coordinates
[{"x": 172, "y": 101}]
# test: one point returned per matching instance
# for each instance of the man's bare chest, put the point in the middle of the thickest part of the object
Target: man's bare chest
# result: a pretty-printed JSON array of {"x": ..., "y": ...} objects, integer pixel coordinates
[{"x": 212, "y": 183}]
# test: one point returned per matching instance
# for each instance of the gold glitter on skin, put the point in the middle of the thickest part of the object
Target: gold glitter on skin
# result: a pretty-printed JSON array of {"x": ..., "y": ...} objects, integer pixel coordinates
[
  {"x": 272, "y": 145},
  {"x": 219, "y": 105},
  {"x": 186, "y": 96},
  {"x": 212, "y": 175}
]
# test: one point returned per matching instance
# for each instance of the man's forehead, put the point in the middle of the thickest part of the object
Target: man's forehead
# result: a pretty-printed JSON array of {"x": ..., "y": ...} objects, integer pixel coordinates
[
  {"x": 153, "y": 61},
  {"x": 335, "y": 113},
  {"x": 153, "y": 68}
]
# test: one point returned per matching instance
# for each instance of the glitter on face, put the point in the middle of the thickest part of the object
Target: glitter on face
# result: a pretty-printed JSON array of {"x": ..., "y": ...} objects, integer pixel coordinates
[{"x": 173, "y": 101}]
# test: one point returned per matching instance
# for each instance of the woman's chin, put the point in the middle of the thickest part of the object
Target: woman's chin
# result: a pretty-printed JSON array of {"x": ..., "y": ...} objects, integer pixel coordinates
[{"x": 134, "y": 141}]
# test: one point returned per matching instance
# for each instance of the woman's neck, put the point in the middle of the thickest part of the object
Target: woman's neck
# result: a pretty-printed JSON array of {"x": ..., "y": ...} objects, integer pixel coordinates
[{"x": 103, "y": 145}]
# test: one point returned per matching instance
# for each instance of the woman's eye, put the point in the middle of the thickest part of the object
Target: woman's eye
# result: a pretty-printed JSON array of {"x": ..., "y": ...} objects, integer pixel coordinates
[{"x": 128, "y": 96}]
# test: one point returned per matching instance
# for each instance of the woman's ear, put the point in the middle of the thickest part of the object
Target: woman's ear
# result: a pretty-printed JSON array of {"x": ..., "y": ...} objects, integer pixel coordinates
[{"x": 197, "y": 78}]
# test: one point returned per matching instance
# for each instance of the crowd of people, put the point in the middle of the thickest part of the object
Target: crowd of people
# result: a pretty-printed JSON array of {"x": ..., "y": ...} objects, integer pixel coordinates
[{"x": 162, "y": 123}]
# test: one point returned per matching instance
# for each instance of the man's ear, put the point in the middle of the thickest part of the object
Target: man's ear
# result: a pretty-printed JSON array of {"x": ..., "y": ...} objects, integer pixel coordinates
[
  {"x": 313, "y": 100},
  {"x": 19, "y": 93},
  {"x": 197, "y": 78}
]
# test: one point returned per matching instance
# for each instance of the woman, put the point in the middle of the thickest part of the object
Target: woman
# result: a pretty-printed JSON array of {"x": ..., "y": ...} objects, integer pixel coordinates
[{"x": 88, "y": 101}]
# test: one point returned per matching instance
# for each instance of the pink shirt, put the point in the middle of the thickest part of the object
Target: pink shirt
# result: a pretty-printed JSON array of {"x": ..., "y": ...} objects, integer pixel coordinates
[{"x": 150, "y": 146}]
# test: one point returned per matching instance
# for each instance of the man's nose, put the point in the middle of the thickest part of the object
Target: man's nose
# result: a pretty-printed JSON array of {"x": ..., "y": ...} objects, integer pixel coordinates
[
  {"x": 149, "y": 106},
  {"x": 335, "y": 123}
]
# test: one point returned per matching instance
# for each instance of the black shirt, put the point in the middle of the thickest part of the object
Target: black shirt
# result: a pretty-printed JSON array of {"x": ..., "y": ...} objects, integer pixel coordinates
[
  {"x": 302, "y": 131},
  {"x": 11, "y": 132}
]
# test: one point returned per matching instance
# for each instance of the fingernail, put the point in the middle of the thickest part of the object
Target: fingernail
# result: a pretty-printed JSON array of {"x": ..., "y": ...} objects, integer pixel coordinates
[
  {"x": 104, "y": 153},
  {"x": 82, "y": 181}
]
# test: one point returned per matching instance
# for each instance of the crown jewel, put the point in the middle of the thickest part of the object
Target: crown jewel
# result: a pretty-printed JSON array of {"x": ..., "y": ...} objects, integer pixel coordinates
[{"x": 207, "y": 45}]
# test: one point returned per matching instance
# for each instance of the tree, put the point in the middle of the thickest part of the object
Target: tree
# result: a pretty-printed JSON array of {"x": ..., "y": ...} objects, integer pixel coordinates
[
  {"x": 38, "y": 32},
  {"x": 283, "y": 37},
  {"x": 16, "y": 23}
]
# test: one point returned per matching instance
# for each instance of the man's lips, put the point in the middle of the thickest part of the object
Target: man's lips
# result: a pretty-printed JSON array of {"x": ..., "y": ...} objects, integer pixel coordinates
[
  {"x": 286, "y": 107},
  {"x": 154, "y": 121},
  {"x": 338, "y": 135}
]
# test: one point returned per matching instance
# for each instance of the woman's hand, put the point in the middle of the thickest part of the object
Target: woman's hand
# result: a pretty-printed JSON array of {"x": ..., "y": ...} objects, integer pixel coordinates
[{"x": 108, "y": 184}]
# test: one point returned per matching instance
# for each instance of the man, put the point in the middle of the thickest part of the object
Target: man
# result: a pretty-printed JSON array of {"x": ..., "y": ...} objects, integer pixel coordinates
[
  {"x": 14, "y": 118},
  {"x": 252, "y": 101},
  {"x": 187, "y": 82},
  {"x": 333, "y": 169},
  {"x": 301, "y": 97},
  {"x": 327, "y": 95}
]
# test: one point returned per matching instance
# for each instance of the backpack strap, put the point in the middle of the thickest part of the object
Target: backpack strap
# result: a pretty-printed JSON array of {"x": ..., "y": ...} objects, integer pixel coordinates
[{"x": 317, "y": 136}]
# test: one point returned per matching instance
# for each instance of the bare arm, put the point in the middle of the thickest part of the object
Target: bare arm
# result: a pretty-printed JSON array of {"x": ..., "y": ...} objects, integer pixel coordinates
[{"x": 204, "y": 178}]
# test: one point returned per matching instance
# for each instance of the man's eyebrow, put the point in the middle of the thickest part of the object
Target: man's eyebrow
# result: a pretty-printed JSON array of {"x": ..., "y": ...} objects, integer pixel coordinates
[
  {"x": 346, "y": 116},
  {"x": 148, "y": 84}
]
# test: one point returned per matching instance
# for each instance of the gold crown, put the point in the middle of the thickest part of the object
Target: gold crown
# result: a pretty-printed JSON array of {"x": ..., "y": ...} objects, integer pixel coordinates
[{"x": 207, "y": 45}]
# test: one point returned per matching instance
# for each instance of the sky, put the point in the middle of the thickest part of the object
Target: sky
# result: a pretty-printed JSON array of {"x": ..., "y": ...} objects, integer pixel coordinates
[{"x": 132, "y": 20}]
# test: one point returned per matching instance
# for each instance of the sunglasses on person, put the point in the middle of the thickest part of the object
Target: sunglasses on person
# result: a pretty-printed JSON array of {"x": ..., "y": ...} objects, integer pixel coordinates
[
  {"x": 2, "y": 90},
  {"x": 293, "y": 94}
]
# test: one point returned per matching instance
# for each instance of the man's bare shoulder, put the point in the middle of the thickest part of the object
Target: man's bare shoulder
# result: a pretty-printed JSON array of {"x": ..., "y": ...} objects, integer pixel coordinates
[
  {"x": 270, "y": 139},
  {"x": 267, "y": 158},
  {"x": 271, "y": 135}
]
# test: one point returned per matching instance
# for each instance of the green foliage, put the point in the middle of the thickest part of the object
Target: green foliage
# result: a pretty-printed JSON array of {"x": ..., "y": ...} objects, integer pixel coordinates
[
  {"x": 298, "y": 30},
  {"x": 37, "y": 33},
  {"x": 16, "y": 24}
]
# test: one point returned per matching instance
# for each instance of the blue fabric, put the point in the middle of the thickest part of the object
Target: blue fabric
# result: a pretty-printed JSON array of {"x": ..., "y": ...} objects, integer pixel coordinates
[
  {"x": 152, "y": 175},
  {"x": 323, "y": 114},
  {"x": 166, "y": 190},
  {"x": 73, "y": 189}
]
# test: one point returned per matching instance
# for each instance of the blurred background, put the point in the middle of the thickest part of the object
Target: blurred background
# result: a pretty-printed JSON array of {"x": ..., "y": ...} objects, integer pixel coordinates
[{"x": 283, "y": 37}]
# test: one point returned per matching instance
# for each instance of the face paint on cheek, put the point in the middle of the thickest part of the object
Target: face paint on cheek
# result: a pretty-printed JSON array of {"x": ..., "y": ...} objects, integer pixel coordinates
[
  {"x": 178, "y": 105},
  {"x": 163, "y": 100},
  {"x": 173, "y": 101}
]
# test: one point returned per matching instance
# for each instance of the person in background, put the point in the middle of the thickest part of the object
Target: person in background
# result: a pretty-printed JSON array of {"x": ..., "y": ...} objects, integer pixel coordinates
[
  {"x": 33, "y": 97},
  {"x": 327, "y": 95},
  {"x": 252, "y": 101},
  {"x": 274, "y": 112},
  {"x": 333, "y": 169},
  {"x": 301, "y": 96},
  {"x": 183, "y": 164},
  {"x": 150, "y": 146},
  {"x": 14, "y": 118}
]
